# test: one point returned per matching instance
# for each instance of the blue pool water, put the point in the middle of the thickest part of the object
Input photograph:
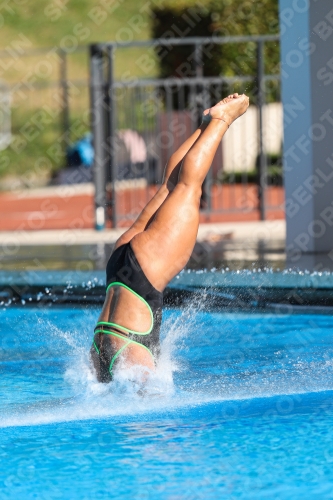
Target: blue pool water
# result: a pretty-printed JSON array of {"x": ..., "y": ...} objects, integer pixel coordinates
[{"x": 241, "y": 407}]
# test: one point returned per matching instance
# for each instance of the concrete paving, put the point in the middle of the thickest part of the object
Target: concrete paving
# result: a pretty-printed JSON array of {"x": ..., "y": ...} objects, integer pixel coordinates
[{"x": 249, "y": 232}]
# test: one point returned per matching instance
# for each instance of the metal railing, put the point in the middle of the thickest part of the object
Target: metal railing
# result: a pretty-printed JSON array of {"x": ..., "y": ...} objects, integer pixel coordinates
[
  {"x": 5, "y": 116},
  {"x": 163, "y": 112},
  {"x": 138, "y": 123},
  {"x": 49, "y": 109}
]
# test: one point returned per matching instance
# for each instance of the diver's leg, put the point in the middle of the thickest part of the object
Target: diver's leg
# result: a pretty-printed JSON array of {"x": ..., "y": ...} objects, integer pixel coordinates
[
  {"x": 170, "y": 179},
  {"x": 165, "y": 247}
]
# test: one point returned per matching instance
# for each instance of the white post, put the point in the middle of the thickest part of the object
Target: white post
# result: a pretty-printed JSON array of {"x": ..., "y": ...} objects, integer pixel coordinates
[{"x": 307, "y": 95}]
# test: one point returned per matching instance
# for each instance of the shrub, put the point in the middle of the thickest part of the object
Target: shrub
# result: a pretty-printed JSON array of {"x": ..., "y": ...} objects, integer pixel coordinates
[{"x": 219, "y": 18}]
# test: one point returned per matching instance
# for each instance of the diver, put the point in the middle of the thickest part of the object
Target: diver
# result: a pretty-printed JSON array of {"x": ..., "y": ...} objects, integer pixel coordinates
[{"x": 155, "y": 249}]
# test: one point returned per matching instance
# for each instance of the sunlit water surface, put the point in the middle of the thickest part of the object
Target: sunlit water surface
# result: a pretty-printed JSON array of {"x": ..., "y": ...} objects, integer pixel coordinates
[{"x": 240, "y": 407}]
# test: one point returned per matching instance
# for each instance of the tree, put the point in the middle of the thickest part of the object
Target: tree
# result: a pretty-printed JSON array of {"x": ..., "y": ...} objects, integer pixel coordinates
[{"x": 179, "y": 18}]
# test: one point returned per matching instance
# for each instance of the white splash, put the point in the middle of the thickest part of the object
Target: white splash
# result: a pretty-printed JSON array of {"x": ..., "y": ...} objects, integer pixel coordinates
[{"x": 126, "y": 396}]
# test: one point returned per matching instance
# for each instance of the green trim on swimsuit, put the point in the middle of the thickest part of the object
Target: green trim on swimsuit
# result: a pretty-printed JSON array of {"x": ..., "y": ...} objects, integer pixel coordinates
[
  {"x": 96, "y": 348},
  {"x": 115, "y": 325},
  {"x": 129, "y": 341}
]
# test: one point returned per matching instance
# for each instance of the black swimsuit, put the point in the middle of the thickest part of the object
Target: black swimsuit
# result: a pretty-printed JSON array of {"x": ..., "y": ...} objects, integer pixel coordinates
[{"x": 123, "y": 269}]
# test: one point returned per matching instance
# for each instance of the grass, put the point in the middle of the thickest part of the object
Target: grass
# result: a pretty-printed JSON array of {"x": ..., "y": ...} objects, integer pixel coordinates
[
  {"x": 45, "y": 25},
  {"x": 59, "y": 24}
]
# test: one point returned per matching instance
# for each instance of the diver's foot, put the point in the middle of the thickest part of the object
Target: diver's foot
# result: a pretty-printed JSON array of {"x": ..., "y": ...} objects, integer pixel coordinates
[
  {"x": 230, "y": 108},
  {"x": 207, "y": 117}
]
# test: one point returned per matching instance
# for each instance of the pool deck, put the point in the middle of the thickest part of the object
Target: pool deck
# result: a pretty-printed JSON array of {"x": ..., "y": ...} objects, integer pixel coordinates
[
  {"x": 251, "y": 231},
  {"x": 221, "y": 288}
]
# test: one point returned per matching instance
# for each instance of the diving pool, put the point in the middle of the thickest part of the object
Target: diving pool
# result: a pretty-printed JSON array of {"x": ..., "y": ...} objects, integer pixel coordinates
[{"x": 241, "y": 407}]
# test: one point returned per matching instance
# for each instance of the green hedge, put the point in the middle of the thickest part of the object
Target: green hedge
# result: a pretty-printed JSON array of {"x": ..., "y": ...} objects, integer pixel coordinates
[
  {"x": 274, "y": 173},
  {"x": 219, "y": 18}
]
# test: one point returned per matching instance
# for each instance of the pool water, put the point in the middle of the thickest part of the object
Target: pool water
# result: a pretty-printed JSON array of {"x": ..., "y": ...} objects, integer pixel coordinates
[{"x": 241, "y": 407}]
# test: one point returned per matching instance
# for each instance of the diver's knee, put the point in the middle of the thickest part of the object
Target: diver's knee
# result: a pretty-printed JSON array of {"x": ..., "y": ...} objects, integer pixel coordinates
[{"x": 192, "y": 189}]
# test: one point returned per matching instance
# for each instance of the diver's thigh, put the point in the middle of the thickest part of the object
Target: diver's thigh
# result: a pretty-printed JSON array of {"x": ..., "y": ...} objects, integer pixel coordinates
[{"x": 166, "y": 246}]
